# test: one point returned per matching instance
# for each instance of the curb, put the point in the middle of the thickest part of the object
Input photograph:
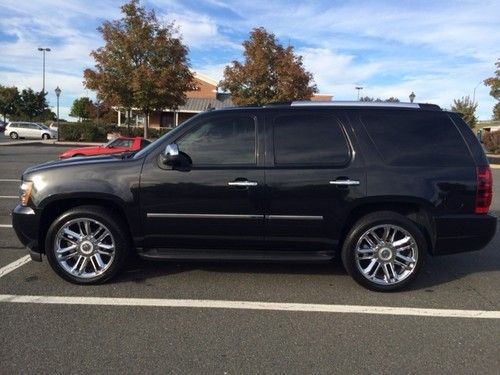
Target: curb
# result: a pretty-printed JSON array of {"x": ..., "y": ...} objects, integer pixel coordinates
[{"x": 55, "y": 143}]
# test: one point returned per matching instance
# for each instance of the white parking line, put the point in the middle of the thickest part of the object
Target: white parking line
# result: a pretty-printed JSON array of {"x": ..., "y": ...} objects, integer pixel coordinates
[
  {"x": 5, "y": 225},
  {"x": 250, "y": 305},
  {"x": 9, "y": 180},
  {"x": 9, "y": 196},
  {"x": 14, "y": 265}
]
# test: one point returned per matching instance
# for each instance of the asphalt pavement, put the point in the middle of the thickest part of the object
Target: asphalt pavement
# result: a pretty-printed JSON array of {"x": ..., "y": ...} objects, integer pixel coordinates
[{"x": 183, "y": 330}]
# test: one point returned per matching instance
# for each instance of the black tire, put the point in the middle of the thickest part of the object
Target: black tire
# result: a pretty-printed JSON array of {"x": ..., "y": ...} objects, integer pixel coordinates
[
  {"x": 118, "y": 237},
  {"x": 45, "y": 137},
  {"x": 377, "y": 222},
  {"x": 14, "y": 135}
]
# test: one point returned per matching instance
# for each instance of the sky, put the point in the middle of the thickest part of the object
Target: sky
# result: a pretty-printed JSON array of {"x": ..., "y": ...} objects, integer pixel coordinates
[{"x": 440, "y": 50}]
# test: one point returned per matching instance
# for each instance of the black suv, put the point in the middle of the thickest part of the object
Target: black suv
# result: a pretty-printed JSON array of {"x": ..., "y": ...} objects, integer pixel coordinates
[{"x": 380, "y": 186}]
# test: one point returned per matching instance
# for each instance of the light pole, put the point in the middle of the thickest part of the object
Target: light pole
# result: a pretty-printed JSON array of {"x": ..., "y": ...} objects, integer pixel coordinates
[
  {"x": 474, "y": 93},
  {"x": 359, "y": 88},
  {"x": 43, "y": 50},
  {"x": 58, "y": 93},
  {"x": 412, "y": 97}
]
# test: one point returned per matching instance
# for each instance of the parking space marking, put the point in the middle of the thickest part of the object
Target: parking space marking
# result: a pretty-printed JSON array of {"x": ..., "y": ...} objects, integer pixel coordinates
[
  {"x": 9, "y": 180},
  {"x": 5, "y": 225},
  {"x": 14, "y": 265},
  {"x": 250, "y": 305},
  {"x": 9, "y": 196}
]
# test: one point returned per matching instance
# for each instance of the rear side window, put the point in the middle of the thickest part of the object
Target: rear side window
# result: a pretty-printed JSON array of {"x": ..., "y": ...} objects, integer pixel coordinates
[
  {"x": 309, "y": 140},
  {"x": 416, "y": 138}
]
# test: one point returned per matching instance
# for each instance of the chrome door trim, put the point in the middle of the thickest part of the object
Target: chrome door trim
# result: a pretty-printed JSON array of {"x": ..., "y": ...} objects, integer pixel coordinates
[
  {"x": 154, "y": 215},
  {"x": 293, "y": 217},
  {"x": 243, "y": 183},
  {"x": 344, "y": 182}
]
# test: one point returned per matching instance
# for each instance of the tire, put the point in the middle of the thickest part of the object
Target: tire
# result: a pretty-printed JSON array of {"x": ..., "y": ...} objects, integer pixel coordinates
[
  {"x": 95, "y": 242},
  {"x": 14, "y": 135},
  {"x": 45, "y": 137},
  {"x": 384, "y": 251}
]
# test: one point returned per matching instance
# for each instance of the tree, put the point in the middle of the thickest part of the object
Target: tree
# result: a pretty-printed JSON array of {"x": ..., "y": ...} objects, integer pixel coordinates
[
  {"x": 496, "y": 112},
  {"x": 141, "y": 65},
  {"x": 378, "y": 100},
  {"x": 494, "y": 82},
  {"x": 9, "y": 101},
  {"x": 33, "y": 105},
  {"x": 82, "y": 108},
  {"x": 269, "y": 73},
  {"x": 467, "y": 108}
]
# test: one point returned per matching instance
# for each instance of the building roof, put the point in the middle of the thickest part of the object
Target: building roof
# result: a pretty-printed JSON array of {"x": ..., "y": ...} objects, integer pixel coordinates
[{"x": 203, "y": 104}]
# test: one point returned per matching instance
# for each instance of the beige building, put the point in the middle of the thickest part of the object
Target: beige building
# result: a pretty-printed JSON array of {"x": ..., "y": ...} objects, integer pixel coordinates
[{"x": 205, "y": 98}]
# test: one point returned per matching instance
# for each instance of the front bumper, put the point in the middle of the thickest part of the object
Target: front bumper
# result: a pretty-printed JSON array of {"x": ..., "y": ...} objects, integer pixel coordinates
[
  {"x": 26, "y": 222},
  {"x": 461, "y": 233}
]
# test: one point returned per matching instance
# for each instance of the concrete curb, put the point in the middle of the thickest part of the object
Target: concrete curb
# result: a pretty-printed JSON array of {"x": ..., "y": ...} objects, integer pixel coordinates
[{"x": 50, "y": 142}]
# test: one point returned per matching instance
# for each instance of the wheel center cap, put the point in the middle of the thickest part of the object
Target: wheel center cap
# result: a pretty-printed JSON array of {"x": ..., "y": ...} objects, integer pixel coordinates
[
  {"x": 385, "y": 254},
  {"x": 86, "y": 247}
]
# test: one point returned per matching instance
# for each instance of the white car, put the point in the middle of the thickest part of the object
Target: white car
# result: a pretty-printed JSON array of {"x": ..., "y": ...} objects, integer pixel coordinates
[{"x": 17, "y": 130}]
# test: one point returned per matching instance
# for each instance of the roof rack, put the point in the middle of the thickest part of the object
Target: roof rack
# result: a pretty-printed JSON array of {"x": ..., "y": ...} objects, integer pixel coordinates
[{"x": 363, "y": 104}]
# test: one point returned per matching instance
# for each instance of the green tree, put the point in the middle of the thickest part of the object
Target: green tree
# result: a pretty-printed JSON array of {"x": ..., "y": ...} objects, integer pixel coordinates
[
  {"x": 141, "y": 64},
  {"x": 494, "y": 82},
  {"x": 378, "y": 100},
  {"x": 269, "y": 73},
  {"x": 467, "y": 108},
  {"x": 496, "y": 112},
  {"x": 33, "y": 106},
  {"x": 82, "y": 108},
  {"x": 9, "y": 101}
]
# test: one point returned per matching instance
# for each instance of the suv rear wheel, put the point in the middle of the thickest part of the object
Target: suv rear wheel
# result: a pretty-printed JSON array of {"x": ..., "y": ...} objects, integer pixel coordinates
[
  {"x": 87, "y": 245},
  {"x": 384, "y": 251}
]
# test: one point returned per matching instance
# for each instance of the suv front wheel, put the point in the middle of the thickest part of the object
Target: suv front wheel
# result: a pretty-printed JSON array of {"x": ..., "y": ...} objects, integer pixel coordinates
[
  {"x": 87, "y": 245},
  {"x": 384, "y": 251}
]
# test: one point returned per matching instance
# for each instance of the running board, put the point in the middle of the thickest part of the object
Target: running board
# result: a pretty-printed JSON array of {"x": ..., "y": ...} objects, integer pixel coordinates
[{"x": 235, "y": 255}]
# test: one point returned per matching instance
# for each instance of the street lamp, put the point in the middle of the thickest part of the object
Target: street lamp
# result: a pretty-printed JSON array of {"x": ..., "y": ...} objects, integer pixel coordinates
[
  {"x": 58, "y": 93},
  {"x": 43, "y": 50},
  {"x": 474, "y": 94},
  {"x": 412, "y": 97},
  {"x": 359, "y": 88}
]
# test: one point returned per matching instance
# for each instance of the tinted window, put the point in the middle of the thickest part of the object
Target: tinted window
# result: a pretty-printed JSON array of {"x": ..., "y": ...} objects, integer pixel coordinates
[
  {"x": 222, "y": 141},
  {"x": 416, "y": 138},
  {"x": 309, "y": 140}
]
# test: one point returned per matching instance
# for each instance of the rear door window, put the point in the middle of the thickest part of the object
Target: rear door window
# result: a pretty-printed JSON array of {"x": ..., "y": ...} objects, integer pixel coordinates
[
  {"x": 309, "y": 140},
  {"x": 416, "y": 138}
]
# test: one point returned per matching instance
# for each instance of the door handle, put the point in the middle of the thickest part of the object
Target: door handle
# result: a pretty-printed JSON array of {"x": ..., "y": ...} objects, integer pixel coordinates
[
  {"x": 243, "y": 183},
  {"x": 344, "y": 182}
]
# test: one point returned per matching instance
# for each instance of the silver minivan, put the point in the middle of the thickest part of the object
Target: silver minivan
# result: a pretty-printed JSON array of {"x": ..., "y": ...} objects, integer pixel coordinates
[{"x": 17, "y": 130}]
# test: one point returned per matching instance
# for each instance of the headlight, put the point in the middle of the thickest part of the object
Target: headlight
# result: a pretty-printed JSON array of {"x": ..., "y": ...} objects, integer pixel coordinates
[{"x": 26, "y": 188}]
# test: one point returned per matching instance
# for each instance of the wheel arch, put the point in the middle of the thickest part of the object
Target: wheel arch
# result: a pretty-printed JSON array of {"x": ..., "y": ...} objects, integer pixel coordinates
[
  {"x": 53, "y": 209},
  {"x": 415, "y": 210}
]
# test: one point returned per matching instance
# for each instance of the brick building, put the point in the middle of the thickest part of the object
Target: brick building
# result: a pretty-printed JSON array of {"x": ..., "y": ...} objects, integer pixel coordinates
[{"x": 205, "y": 98}]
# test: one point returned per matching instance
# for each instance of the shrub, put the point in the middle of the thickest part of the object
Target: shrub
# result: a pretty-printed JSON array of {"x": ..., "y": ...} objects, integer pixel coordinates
[
  {"x": 85, "y": 132},
  {"x": 491, "y": 142}
]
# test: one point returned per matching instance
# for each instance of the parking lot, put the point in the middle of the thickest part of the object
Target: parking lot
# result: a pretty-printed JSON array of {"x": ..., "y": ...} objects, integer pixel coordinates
[{"x": 241, "y": 318}]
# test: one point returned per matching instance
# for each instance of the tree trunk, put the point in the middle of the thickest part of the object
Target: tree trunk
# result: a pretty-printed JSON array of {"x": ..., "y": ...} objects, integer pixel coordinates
[{"x": 146, "y": 125}]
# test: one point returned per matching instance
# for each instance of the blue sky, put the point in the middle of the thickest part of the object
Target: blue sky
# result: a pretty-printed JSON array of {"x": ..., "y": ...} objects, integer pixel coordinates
[{"x": 441, "y": 50}]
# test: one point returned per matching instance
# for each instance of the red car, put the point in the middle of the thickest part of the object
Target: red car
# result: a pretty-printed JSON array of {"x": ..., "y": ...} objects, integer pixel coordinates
[{"x": 116, "y": 146}]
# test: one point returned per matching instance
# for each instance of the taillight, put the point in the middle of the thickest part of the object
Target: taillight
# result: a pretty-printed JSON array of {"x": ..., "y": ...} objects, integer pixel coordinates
[{"x": 484, "y": 191}]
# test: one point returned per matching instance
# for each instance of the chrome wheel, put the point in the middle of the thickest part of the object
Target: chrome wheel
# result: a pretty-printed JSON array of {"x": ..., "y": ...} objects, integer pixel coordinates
[
  {"x": 84, "y": 248},
  {"x": 386, "y": 254}
]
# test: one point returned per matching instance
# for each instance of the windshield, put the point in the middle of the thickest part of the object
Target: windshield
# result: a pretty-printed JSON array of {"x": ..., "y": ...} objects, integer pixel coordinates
[{"x": 160, "y": 140}]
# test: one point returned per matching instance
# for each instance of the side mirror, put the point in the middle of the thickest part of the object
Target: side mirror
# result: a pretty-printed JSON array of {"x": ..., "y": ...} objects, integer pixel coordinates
[{"x": 171, "y": 154}]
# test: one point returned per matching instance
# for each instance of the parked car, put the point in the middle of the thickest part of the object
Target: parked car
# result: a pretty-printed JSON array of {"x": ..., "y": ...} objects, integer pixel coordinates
[
  {"x": 17, "y": 130},
  {"x": 116, "y": 146},
  {"x": 2, "y": 126},
  {"x": 380, "y": 186}
]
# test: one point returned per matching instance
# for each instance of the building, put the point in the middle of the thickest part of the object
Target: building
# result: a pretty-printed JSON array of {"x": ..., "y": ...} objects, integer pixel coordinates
[{"x": 205, "y": 98}]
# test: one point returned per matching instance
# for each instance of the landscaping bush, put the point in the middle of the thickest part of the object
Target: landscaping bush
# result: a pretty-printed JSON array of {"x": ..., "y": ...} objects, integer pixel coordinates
[
  {"x": 491, "y": 142},
  {"x": 85, "y": 132}
]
